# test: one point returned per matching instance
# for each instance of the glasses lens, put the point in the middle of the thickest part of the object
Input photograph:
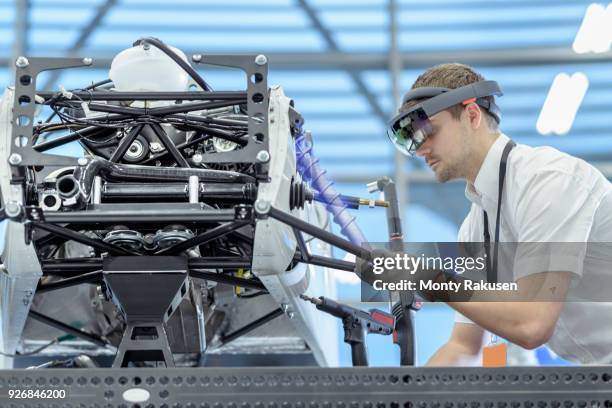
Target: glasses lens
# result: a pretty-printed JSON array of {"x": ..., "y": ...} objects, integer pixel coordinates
[
  {"x": 407, "y": 140},
  {"x": 401, "y": 139}
]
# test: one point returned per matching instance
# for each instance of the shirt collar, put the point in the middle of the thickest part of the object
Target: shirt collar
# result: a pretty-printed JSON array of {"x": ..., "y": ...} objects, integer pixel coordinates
[{"x": 486, "y": 184}]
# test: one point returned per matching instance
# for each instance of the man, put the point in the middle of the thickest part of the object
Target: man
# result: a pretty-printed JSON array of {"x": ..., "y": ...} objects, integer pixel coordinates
[{"x": 522, "y": 194}]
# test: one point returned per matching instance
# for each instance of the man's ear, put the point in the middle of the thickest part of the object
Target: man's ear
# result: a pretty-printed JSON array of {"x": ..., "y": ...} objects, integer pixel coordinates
[{"x": 473, "y": 115}]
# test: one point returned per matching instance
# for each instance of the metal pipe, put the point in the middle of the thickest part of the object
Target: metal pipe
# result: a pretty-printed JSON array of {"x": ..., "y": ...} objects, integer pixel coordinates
[
  {"x": 208, "y": 236},
  {"x": 228, "y": 280},
  {"x": 70, "y": 266},
  {"x": 220, "y": 133},
  {"x": 169, "y": 145},
  {"x": 82, "y": 238},
  {"x": 154, "y": 96},
  {"x": 125, "y": 143},
  {"x": 327, "y": 262},
  {"x": 246, "y": 191},
  {"x": 219, "y": 262},
  {"x": 252, "y": 326},
  {"x": 71, "y": 137},
  {"x": 193, "y": 188},
  {"x": 125, "y": 172},
  {"x": 68, "y": 282},
  {"x": 395, "y": 70},
  {"x": 150, "y": 215},
  {"x": 304, "y": 252},
  {"x": 67, "y": 187},
  {"x": 319, "y": 233},
  {"x": 68, "y": 329},
  {"x": 160, "y": 111},
  {"x": 97, "y": 190}
]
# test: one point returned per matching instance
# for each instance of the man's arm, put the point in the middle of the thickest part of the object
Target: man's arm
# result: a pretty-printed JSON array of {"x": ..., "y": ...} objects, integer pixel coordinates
[
  {"x": 526, "y": 323},
  {"x": 462, "y": 348}
]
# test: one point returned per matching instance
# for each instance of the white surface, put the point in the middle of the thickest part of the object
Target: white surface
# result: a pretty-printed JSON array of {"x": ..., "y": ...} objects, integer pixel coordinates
[{"x": 137, "y": 69}]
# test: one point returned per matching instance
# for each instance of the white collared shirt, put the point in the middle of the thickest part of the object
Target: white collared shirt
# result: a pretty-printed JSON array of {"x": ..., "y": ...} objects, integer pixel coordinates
[{"x": 550, "y": 196}]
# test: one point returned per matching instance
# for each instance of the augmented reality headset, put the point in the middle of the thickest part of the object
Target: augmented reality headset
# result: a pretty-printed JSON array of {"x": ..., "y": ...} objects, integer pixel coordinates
[{"x": 409, "y": 130}]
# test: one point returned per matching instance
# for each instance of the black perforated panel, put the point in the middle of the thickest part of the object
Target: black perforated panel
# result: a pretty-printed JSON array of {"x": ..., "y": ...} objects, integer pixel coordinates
[{"x": 560, "y": 387}]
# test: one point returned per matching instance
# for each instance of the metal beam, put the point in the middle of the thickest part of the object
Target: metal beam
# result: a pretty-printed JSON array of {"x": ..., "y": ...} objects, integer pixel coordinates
[
  {"x": 395, "y": 71},
  {"x": 82, "y": 39},
  {"x": 362, "y": 88},
  {"x": 416, "y": 60},
  {"x": 426, "y": 176},
  {"x": 20, "y": 46}
]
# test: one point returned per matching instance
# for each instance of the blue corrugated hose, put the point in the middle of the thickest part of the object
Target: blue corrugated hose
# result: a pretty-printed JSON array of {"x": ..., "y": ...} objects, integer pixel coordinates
[{"x": 311, "y": 172}]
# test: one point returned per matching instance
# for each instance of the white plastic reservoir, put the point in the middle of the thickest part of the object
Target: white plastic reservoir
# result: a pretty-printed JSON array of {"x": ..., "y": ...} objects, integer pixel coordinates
[{"x": 147, "y": 68}]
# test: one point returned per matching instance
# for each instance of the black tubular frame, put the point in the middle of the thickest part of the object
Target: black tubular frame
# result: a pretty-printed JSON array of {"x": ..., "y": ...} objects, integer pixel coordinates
[
  {"x": 69, "y": 234},
  {"x": 226, "y": 338},
  {"x": 89, "y": 277},
  {"x": 251, "y": 135},
  {"x": 67, "y": 328},
  {"x": 255, "y": 98}
]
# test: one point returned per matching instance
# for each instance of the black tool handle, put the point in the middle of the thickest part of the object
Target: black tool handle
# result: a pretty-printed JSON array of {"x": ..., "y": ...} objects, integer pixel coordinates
[
  {"x": 359, "y": 355},
  {"x": 404, "y": 330}
]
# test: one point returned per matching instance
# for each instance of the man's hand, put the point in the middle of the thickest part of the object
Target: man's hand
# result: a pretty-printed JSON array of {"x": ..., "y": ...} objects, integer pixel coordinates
[
  {"x": 383, "y": 265},
  {"x": 463, "y": 348}
]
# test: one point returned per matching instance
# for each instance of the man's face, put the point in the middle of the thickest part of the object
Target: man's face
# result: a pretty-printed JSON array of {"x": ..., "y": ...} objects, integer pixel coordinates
[{"x": 446, "y": 150}]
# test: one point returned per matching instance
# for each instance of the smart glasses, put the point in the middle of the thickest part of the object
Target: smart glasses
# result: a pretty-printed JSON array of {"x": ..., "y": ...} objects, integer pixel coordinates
[{"x": 409, "y": 130}]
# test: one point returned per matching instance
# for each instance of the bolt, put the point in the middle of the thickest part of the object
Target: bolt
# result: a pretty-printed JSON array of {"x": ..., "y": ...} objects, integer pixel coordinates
[
  {"x": 22, "y": 62},
  {"x": 291, "y": 315},
  {"x": 197, "y": 158},
  {"x": 284, "y": 307},
  {"x": 196, "y": 57},
  {"x": 82, "y": 161},
  {"x": 15, "y": 159},
  {"x": 100, "y": 292},
  {"x": 261, "y": 59},
  {"x": 87, "y": 61},
  {"x": 263, "y": 156},
  {"x": 12, "y": 209},
  {"x": 155, "y": 147},
  {"x": 262, "y": 206},
  {"x": 242, "y": 213}
]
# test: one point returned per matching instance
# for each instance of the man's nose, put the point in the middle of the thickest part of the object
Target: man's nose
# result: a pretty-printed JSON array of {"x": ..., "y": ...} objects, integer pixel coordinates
[{"x": 424, "y": 149}]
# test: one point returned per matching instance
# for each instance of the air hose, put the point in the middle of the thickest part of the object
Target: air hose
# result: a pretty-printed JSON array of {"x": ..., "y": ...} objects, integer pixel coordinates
[{"x": 310, "y": 170}]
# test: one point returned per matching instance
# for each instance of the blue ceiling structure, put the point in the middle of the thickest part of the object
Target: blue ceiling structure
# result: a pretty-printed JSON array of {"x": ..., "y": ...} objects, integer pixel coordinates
[{"x": 345, "y": 63}]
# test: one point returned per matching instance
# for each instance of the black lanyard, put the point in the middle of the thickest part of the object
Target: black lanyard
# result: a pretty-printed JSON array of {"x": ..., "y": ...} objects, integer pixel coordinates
[{"x": 492, "y": 266}]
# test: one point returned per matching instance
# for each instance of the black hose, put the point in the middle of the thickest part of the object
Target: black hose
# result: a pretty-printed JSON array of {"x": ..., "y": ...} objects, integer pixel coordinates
[
  {"x": 92, "y": 86},
  {"x": 125, "y": 172},
  {"x": 181, "y": 62}
]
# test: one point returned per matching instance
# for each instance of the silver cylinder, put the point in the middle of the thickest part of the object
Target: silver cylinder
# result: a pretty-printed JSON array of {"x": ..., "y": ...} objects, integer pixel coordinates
[
  {"x": 96, "y": 197},
  {"x": 194, "y": 189}
]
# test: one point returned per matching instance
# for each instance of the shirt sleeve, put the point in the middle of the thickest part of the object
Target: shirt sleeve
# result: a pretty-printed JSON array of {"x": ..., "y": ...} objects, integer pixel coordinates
[
  {"x": 554, "y": 214},
  {"x": 465, "y": 235},
  {"x": 459, "y": 318}
]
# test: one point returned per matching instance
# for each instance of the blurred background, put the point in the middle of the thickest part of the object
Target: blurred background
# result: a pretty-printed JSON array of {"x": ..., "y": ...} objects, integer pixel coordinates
[{"x": 346, "y": 63}]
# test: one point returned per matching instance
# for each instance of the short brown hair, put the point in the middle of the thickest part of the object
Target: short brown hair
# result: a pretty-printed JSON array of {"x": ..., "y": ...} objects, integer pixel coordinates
[{"x": 451, "y": 75}]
